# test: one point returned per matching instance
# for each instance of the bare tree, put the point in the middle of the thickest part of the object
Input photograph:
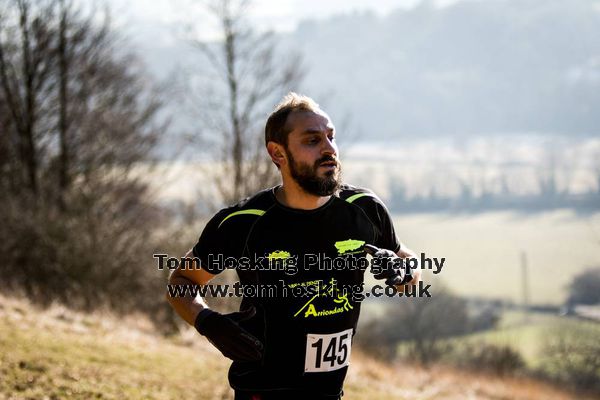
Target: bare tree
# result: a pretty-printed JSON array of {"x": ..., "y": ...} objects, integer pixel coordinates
[
  {"x": 76, "y": 104},
  {"x": 63, "y": 123},
  {"x": 78, "y": 116},
  {"x": 246, "y": 77},
  {"x": 25, "y": 74}
]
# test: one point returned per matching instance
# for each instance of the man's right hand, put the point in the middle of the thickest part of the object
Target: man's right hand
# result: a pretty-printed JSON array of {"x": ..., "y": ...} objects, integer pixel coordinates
[{"x": 223, "y": 331}]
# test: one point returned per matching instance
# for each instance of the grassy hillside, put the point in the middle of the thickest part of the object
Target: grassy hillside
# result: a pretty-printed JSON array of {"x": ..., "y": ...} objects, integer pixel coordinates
[{"x": 60, "y": 354}]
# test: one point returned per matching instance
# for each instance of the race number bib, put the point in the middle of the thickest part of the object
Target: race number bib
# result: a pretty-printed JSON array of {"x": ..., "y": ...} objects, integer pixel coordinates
[{"x": 328, "y": 352}]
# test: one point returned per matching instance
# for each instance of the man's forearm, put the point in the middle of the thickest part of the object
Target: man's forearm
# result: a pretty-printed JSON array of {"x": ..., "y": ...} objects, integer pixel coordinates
[
  {"x": 187, "y": 307},
  {"x": 416, "y": 272}
]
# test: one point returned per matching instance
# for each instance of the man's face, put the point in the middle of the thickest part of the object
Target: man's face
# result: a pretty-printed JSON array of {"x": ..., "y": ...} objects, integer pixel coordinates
[{"x": 312, "y": 153}]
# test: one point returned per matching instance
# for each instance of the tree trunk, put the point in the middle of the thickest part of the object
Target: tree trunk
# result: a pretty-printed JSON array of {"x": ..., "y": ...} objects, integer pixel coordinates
[
  {"x": 28, "y": 148},
  {"x": 63, "y": 162},
  {"x": 237, "y": 149}
]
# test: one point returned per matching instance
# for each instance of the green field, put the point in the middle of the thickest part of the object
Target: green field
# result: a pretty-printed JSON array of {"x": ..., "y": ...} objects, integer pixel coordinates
[
  {"x": 530, "y": 335},
  {"x": 483, "y": 251}
]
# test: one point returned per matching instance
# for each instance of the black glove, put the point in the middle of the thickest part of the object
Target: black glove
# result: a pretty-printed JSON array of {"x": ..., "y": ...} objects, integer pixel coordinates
[
  {"x": 390, "y": 267},
  {"x": 226, "y": 335}
]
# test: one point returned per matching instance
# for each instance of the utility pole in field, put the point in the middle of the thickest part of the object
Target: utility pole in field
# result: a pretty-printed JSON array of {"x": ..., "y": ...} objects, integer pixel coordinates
[{"x": 525, "y": 283}]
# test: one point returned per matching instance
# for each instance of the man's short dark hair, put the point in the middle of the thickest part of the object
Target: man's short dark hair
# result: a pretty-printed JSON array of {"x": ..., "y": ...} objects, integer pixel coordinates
[{"x": 276, "y": 129}]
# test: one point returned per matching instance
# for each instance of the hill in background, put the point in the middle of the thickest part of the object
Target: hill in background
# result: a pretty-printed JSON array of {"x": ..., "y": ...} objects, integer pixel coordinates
[{"x": 474, "y": 67}]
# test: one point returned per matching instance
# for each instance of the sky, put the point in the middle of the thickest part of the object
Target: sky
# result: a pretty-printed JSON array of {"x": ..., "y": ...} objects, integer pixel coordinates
[{"x": 141, "y": 18}]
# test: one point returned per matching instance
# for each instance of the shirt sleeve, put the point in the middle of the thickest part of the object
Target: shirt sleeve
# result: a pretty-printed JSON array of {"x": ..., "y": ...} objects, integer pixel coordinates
[
  {"x": 212, "y": 248},
  {"x": 386, "y": 238}
]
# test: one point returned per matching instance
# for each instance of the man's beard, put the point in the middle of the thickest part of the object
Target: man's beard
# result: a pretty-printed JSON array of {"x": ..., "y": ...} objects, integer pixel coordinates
[{"x": 307, "y": 176}]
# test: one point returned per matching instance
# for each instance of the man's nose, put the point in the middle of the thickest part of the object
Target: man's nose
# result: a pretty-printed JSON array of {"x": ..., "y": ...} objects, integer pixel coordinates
[{"x": 329, "y": 147}]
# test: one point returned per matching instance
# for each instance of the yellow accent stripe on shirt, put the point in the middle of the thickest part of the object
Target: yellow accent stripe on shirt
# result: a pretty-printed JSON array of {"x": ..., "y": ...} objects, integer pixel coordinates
[
  {"x": 251, "y": 211},
  {"x": 356, "y": 196}
]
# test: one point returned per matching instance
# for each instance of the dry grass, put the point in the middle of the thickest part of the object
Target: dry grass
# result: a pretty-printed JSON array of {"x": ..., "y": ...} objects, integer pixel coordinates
[
  {"x": 57, "y": 353},
  {"x": 370, "y": 379}
]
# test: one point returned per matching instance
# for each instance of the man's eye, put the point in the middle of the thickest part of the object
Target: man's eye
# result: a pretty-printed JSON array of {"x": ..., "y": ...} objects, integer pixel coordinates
[{"x": 313, "y": 141}]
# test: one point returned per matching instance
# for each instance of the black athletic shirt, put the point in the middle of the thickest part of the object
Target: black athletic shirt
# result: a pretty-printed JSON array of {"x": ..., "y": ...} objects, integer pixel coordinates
[{"x": 306, "y": 320}]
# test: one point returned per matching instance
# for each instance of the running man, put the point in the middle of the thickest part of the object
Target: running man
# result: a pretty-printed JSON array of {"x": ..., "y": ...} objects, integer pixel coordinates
[{"x": 304, "y": 238}]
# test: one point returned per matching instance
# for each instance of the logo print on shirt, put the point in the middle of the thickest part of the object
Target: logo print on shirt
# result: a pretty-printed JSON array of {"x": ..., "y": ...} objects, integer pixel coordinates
[
  {"x": 281, "y": 260},
  {"x": 328, "y": 291},
  {"x": 279, "y": 255},
  {"x": 349, "y": 246}
]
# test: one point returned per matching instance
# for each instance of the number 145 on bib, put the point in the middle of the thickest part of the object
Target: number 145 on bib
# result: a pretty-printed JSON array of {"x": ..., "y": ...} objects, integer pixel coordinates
[{"x": 328, "y": 352}]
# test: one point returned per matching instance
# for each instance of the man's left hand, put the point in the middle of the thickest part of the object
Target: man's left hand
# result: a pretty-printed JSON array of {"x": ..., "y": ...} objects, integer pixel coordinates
[{"x": 389, "y": 266}]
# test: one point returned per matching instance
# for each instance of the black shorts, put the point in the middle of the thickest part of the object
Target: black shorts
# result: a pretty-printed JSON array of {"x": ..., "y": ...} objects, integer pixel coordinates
[{"x": 240, "y": 395}]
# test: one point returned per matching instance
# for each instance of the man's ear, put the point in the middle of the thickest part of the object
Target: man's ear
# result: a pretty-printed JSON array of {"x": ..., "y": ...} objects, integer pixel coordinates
[{"x": 276, "y": 153}]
